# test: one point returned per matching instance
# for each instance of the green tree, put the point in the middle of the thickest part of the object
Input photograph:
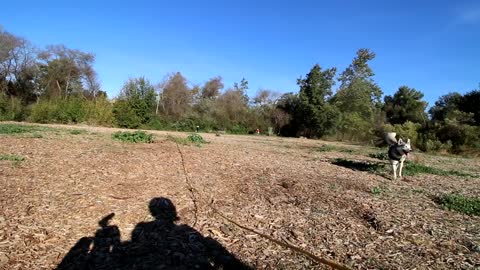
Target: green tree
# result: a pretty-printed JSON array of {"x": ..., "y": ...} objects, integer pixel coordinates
[
  {"x": 317, "y": 117},
  {"x": 136, "y": 103},
  {"x": 358, "y": 97},
  {"x": 405, "y": 105},
  {"x": 446, "y": 105}
]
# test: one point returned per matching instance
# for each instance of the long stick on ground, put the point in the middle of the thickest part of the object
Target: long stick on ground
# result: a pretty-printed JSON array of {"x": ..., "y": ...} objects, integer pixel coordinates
[
  {"x": 190, "y": 188},
  {"x": 283, "y": 244}
]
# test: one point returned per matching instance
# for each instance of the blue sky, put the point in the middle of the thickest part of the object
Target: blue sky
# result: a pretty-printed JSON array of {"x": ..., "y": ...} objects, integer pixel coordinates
[{"x": 433, "y": 46}]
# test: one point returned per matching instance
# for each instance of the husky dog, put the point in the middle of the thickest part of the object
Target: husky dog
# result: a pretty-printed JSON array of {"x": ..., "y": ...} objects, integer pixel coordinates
[{"x": 397, "y": 152}]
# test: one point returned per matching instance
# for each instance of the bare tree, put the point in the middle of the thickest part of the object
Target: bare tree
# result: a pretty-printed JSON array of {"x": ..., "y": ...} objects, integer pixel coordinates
[
  {"x": 176, "y": 97},
  {"x": 212, "y": 87}
]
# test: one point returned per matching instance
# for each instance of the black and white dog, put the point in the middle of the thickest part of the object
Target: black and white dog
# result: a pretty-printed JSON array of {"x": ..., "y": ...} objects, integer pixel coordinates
[{"x": 397, "y": 152}]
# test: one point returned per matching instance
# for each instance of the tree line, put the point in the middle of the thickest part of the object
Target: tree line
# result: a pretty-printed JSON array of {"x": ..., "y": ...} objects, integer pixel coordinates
[{"x": 57, "y": 84}]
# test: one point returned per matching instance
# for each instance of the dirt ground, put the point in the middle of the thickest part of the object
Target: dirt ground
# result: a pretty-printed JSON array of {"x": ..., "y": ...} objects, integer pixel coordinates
[{"x": 282, "y": 187}]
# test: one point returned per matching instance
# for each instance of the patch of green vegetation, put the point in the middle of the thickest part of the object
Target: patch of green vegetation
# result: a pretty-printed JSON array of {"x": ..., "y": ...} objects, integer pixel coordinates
[
  {"x": 332, "y": 148},
  {"x": 16, "y": 129},
  {"x": 15, "y": 159},
  {"x": 133, "y": 137},
  {"x": 459, "y": 203},
  {"x": 77, "y": 131},
  {"x": 37, "y": 135},
  {"x": 193, "y": 138},
  {"x": 412, "y": 168},
  {"x": 379, "y": 155},
  {"x": 377, "y": 190}
]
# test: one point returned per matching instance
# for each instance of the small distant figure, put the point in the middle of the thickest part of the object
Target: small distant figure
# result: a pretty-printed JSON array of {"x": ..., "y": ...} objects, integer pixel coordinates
[
  {"x": 257, "y": 131},
  {"x": 197, "y": 128}
]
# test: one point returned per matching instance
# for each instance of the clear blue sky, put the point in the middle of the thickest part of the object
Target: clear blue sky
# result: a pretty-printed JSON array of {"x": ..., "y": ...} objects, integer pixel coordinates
[{"x": 433, "y": 46}]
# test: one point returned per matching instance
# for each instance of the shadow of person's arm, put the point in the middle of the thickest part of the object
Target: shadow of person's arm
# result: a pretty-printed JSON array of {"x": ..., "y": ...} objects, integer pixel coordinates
[
  {"x": 221, "y": 258},
  {"x": 77, "y": 256}
]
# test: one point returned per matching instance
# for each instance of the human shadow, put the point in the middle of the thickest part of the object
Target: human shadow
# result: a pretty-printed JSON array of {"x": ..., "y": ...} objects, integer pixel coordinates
[{"x": 159, "y": 244}]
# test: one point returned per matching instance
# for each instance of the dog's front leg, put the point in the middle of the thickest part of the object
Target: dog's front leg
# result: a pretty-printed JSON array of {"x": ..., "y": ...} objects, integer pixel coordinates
[
  {"x": 400, "y": 170},
  {"x": 394, "y": 167}
]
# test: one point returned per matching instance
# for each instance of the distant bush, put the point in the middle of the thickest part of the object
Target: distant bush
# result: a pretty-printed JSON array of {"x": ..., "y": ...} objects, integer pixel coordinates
[
  {"x": 134, "y": 137},
  {"x": 11, "y": 108},
  {"x": 125, "y": 116},
  {"x": 100, "y": 112},
  {"x": 196, "y": 138},
  {"x": 460, "y": 203},
  {"x": 238, "y": 129}
]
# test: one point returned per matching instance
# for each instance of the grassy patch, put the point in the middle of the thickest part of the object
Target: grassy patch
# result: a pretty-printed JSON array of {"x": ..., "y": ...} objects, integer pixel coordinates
[
  {"x": 77, "y": 131},
  {"x": 133, "y": 137},
  {"x": 16, "y": 129},
  {"x": 15, "y": 159},
  {"x": 377, "y": 190},
  {"x": 193, "y": 138},
  {"x": 332, "y": 148},
  {"x": 412, "y": 168},
  {"x": 460, "y": 203},
  {"x": 379, "y": 155}
]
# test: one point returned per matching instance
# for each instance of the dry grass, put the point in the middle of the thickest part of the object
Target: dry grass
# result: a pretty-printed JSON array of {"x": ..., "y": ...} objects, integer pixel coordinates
[{"x": 281, "y": 187}]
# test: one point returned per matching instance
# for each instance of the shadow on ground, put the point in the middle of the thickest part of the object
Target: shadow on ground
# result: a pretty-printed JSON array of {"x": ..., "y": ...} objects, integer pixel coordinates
[{"x": 159, "y": 244}]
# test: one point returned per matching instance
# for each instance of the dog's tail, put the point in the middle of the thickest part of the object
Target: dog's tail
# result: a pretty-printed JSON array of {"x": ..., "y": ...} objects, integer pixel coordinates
[{"x": 390, "y": 138}]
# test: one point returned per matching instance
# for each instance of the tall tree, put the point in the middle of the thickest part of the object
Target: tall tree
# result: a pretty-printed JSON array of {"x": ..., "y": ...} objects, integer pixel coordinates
[
  {"x": 446, "y": 105},
  {"x": 176, "y": 97},
  {"x": 212, "y": 88},
  {"x": 317, "y": 116},
  {"x": 18, "y": 67},
  {"x": 66, "y": 71},
  {"x": 405, "y": 105},
  {"x": 358, "y": 97}
]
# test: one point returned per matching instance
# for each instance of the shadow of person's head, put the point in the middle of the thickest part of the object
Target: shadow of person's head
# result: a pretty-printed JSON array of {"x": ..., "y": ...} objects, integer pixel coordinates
[{"x": 163, "y": 209}]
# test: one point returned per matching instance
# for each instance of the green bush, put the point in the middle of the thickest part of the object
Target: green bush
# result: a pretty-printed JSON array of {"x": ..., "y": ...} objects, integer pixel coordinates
[
  {"x": 460, "y": 203},
  {"x": 196, "y": 138},
  {"x": 65, "y": 111},
  {"x": 186, "y": 124},
  {"x": 11, "y": 108},
  {"x": 125, "y": 116},
  {"x": 238, "y": 129},
  {"x": 134, "y": 137},
  {"x": 100, "y": 112},
  {"x": 407, "y": 130}
]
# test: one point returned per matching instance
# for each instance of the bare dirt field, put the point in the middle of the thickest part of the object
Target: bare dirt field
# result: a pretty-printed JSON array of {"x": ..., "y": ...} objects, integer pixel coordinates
[{"x": 285, "y": 188}]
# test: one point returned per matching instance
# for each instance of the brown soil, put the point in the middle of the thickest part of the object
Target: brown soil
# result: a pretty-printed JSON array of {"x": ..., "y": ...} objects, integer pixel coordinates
[{"x": 281, "y": 187}]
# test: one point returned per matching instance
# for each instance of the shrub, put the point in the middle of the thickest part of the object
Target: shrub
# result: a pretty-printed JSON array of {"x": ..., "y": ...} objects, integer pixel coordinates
[
  {"x": 460, "y": 203},
  {"x": 11, "y": 108},
  {"x": 238, "y": 129},
  {"x": 134, "y": 137},
  {"x": 196, "y": 138},
  {"x": 125, "y": 116},
  {"x": 100, "y": 112},
  {"x": 407, "y": 130}
]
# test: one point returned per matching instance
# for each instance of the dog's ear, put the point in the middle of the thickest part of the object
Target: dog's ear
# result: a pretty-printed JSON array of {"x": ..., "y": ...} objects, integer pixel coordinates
[
  {"x": 408, "y": 141},
  {"x": 400, "y": 141}
]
